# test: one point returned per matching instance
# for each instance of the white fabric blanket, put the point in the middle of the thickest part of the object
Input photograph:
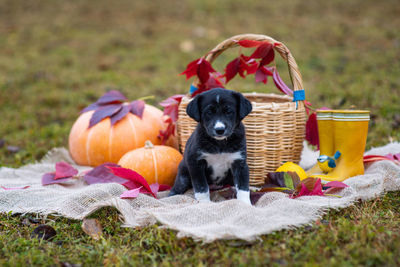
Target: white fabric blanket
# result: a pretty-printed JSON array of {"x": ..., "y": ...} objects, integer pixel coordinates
[{"x": 221, "y": 219}]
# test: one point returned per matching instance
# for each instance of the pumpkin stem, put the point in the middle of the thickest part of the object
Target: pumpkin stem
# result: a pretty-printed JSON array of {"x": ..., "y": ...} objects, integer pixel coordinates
[{"x": 148, "y": 144}]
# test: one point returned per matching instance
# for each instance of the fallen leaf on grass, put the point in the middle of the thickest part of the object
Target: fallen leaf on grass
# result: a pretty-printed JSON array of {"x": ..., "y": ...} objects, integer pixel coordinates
[
  {"x": 13, "y": 149},
  {"x": 92, "y": 227},
  {"x": 44, "y": 232}
]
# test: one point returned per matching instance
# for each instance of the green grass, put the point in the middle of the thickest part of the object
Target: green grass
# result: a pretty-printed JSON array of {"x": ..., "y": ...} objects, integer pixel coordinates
[{"x": 58, "y": 56}]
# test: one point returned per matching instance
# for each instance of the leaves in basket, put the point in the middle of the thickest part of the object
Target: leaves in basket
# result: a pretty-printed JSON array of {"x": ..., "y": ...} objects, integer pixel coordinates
[
  {"x": 250, "y": 43},
  {"x": 215, "y": 81},
  {"x": 280, "y": 84},
  {"x": 262, "y": 74},
  {"x": 200, "y": 67},
  {"x": 171, "y": 105},
  {"x": 241, "y": 65}
]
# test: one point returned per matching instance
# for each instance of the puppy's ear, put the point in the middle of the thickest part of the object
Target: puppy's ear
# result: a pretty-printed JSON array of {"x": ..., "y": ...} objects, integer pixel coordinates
[
  {"x": 244, "y": 105},
  {"x": 193, "y": 108}
]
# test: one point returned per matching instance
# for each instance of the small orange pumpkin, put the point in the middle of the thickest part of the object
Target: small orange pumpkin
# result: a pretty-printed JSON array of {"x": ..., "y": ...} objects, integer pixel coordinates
[
  {"x": 106, "y": 143},
  {"x": 157, "y": 164}
]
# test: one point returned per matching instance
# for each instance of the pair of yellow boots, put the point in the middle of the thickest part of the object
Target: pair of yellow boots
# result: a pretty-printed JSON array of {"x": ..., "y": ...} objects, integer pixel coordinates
[{"x": 342, "y": 138}]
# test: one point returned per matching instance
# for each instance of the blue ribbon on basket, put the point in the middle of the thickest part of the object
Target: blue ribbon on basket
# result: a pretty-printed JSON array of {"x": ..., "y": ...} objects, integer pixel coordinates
[
  {"x": 299, "y": 95},
  {"x": 192, "y": 89}
]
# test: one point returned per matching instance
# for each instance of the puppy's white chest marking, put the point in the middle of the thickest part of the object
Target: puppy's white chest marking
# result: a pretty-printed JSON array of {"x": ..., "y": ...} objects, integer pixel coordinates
[{"x": 220, "y": 163}]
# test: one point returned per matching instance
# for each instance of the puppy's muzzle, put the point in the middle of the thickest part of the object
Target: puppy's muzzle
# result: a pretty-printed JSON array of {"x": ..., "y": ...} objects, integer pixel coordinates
[{"x": 219, "y": 130}]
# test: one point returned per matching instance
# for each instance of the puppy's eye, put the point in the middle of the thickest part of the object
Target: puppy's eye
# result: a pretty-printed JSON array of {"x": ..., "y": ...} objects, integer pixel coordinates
[
  {"x": 209, "y": 112},
  {"x": 228, "y": 111}
]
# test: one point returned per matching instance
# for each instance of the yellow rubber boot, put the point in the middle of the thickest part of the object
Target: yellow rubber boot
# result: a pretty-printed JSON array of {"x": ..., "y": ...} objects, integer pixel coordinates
[
  {"x": 350, "y": 128},
  {"x": 325, "y": 136}
]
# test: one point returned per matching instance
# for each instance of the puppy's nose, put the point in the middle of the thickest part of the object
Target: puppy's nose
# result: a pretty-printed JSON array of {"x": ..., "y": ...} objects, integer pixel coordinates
[{"x": 219, "y": 128}]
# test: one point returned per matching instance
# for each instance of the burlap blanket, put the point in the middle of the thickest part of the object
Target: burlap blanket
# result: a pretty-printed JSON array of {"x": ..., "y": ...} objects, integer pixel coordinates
[{"x": 221, "y": 219}]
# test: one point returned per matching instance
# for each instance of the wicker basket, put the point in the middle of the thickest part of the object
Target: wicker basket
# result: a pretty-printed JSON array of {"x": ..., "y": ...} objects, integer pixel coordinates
[{"x": 275, "y": 128}]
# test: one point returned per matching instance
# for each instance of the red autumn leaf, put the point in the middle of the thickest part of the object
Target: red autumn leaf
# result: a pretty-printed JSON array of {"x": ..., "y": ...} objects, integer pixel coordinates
[
  {"x": 240, "y": 65},
  {"x": 200, "y": 67},
  {"x": 102, "y": 174},
  {"x": 104, "y": 112},
  {"x": 280, "y": 84},
  {"x": 191, "y": 68},
  {"x": 137, "y": 107},
  {"x": 164, "y": 187},
  {"x": 131, "y": 193},
  {"x": 15, "y": 188},
  {"x": 64, "y": 170},
  {"x": 48, "y": 178},
  {"x": 169, "y": 131},
  {"x": 312, "y": 130},
  {"x": 304, "y": 191},
  {"x": 135, "y": 178},
  {"x": 262, "y": 51},
  {"x": 336, "y": 184},
  {"x": 171, "y": 106},
  {"x": 262, "y": 74},
  {"x": 232, "y": 69},
  {"x": 110, "y": 97},
  {"x": 120, "y": 114},
  {"x": 213, "y": 82},
  {"x": 250, "y": 43}
]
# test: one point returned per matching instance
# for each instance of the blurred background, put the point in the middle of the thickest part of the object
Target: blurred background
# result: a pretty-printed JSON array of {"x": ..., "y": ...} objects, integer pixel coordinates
[{"x": 56, "y": 57}]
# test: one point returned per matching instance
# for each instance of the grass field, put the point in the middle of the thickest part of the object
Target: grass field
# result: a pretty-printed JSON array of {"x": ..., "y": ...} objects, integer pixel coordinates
[{"x": 58, "y": 56}]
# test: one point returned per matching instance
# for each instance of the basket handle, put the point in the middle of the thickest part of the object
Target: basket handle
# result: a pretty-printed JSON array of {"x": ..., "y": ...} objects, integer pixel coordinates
[{"x": 294, "y": 72}]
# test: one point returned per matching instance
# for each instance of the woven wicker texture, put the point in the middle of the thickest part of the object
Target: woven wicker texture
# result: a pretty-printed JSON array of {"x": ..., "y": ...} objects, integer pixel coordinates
[{"x": 275, "y": 128}]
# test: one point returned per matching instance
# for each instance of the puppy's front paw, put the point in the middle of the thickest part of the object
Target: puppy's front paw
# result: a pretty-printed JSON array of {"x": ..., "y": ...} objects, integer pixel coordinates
[
  {"x": 243, "y": 196},
  {"x": 202, "y": 197}
]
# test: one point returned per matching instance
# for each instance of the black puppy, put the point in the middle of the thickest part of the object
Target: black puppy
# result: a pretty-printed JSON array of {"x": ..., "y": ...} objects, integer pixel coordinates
[{"x": 215, "y": 153}]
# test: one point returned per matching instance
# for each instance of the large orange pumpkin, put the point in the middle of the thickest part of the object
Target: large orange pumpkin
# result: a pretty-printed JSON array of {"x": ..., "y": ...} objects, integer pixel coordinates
[
  {"x": 157, "y": 164},
  {"x": 105, "y": 143}
]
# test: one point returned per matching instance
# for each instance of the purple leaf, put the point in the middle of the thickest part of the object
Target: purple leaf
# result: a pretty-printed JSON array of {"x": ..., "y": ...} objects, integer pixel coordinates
[
  {"x": 104, "y": 112},
  {"x": 111, "y": 96},
  {"x": 131, "y": 193},
  {"x": 137, "y": 108},
  {"x": 14, "y": 188},
  {"x": 280, "y": 83},
  {"x": 120, "y": 114},
  {"x": 93, "y": 106},
  {"x": 48, "y": 178},
  {"x": 101, "y": 175},
  {"x": 13, "y": 149},
  {"x": 64, "y": 170},
  {"x": 255, "y": 196}
]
